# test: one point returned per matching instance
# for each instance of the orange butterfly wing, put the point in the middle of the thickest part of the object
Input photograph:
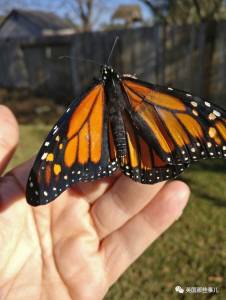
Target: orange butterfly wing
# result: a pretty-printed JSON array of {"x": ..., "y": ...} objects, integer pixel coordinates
[
  {"x": 168, "y": 129},
  {"x": 142, "y": 162},
  {"x": 185, "y": 128},
  {"x": 78, "y": 148}
]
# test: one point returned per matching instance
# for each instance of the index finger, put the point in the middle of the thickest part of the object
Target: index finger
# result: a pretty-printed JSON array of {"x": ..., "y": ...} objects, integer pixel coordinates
[{"x": 9, "y": 136}]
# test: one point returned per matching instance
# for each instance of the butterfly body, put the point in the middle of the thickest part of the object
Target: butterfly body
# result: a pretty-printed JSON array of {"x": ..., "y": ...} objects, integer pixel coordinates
[
  {"x": 115, "y": 106},
  {"x": 151, "y": 133}
]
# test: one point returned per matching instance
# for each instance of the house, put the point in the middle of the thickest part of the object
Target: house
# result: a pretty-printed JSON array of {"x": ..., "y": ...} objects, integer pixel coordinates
[
  {"x": 30, "y": 24},
  {"x": 128, "y": 14}
]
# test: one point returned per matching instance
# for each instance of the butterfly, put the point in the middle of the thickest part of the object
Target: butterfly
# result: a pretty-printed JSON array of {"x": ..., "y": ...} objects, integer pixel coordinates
[{"x": 149, "y": 132}]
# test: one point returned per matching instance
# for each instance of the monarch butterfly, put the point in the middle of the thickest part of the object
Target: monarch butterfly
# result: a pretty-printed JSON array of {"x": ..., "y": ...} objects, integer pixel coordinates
[{"x": 150, "y": 132}]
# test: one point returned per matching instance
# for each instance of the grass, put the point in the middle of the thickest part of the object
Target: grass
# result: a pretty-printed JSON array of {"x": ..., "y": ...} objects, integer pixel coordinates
[
  {"x": 191, "y": 253},
  {"x": 31, "y": 137}
]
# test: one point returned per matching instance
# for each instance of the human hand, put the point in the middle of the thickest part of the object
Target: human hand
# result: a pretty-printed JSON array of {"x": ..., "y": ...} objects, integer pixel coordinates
[{"x": 77, "y": 246}]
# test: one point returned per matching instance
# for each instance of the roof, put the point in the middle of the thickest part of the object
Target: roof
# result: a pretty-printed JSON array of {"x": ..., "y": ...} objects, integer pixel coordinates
[
  {"x": 41, "y": 19},
  {"x": 128, "y": 12}
]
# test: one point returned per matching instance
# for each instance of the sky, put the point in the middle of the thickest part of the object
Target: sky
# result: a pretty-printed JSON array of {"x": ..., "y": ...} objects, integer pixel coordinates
[
  {"x": 57, "y": 7},
  {"x": 105, "y": 16}
]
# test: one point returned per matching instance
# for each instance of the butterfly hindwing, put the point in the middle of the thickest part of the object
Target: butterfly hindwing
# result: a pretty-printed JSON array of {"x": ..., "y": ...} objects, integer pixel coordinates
[
  {"x": 142, "y": 163},
  {"x": 78, "y": 148}
]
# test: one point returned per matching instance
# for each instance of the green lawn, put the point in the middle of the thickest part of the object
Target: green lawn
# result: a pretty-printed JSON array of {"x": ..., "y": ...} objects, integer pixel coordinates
[{"x": 191, "y": 253}]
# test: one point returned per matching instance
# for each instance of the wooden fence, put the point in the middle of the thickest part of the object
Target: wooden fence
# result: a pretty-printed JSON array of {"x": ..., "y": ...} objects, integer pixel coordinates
[{"x": 187, "y": 57}]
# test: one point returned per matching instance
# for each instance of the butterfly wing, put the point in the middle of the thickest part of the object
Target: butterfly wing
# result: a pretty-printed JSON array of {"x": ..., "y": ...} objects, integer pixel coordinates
[
  {"x": 78, "y": 148},
  {"x": 172, "y": 126},
  {"x": 142, "y": 162}
]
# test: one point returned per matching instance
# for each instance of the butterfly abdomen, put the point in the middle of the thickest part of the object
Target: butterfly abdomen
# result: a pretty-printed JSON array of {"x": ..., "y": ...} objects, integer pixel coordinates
[{"x": 115, "y": 104}]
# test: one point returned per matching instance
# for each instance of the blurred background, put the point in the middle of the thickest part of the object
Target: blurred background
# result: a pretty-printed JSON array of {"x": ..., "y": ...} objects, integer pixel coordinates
[{"x": 175, "y": 43}]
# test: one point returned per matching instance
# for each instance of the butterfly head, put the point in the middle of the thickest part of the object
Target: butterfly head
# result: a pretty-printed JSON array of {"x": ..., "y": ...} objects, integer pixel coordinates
[{"x": 108, "y": 73}]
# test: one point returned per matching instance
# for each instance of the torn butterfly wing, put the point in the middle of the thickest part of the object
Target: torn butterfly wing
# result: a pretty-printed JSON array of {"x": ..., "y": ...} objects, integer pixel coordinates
[
  {"x": 142, "y": 163},
  {"x": 181, "y": 128}
]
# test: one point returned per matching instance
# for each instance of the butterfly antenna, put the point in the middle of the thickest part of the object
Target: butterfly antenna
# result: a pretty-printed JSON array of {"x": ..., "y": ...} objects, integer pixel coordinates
[
  {"x": 80, "y": 59},
  {"x": 112, "y": 49}
]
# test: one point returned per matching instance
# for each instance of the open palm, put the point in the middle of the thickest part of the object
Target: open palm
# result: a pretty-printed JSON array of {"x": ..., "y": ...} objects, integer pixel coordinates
[{"x": 77, "y": 246}]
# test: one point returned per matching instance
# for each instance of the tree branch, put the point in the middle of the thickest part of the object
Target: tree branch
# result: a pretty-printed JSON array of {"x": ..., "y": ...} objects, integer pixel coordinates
[
  {"x": 216, "y": 7},
  {"x": 155, "y": 10},
  {"x": 198, "y": 9}
]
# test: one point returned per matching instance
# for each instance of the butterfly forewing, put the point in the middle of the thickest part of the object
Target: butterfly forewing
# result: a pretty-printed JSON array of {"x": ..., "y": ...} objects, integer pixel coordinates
[{"x": 78, "y": 148}]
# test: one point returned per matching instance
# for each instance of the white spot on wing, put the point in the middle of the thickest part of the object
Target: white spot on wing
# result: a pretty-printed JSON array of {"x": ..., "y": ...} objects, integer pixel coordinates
[
  {"x": 207, "y": 104},
  {"x": 55, "y": 130},
  {"x": 44, "y": 156},
  {"x": 217, "y": 113},
  {"x": 193, "y": 103}
]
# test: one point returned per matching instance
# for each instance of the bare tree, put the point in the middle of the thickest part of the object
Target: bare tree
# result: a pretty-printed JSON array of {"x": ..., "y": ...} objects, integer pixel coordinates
[
  {"x": 186, "y": 11},
  {"x": 206, "y": 10},
  {"x": 84, "y": 12},
  {"x": 82, "y": 9},
  {"x": 156, "y": 9}
]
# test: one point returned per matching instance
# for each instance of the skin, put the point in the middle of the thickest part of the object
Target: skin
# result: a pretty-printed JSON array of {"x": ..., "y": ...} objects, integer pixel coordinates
[{"x": 79, "y": 245}]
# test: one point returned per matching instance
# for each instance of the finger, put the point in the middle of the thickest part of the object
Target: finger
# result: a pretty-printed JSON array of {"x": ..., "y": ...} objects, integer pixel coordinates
[
  {"x": 123, "y": 246},
  {"x": 21, "y": 173},
  {"x": 93, "y": 190},
  {"x": 9, "y": 136},
  {"x": 81, "y": 194},
  {"x": 125, "y": 199},
  {"x": 13, "y": 185}
]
